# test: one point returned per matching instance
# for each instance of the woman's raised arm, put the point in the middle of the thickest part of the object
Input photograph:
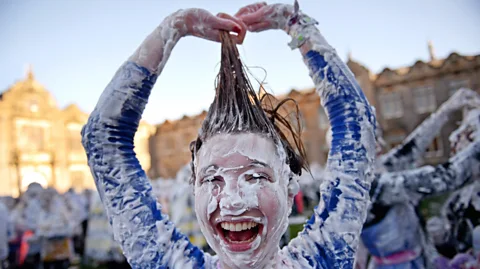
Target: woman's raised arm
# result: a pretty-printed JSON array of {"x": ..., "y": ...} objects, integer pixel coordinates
[
  {"x": 147, "y": 237},
  {"x": 331, "y": 236},
  {"x": 406, "y": 155},
  {"x": 413, "y": 185}
]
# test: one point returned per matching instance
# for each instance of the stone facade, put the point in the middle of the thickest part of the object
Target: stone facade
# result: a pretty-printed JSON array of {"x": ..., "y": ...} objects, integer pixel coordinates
[
  {"x": 40, "y": 142},
  {"x": 403, "y": 98},
  {"x": 171, "y": 145},
  {"x": 406, "y": 96}
]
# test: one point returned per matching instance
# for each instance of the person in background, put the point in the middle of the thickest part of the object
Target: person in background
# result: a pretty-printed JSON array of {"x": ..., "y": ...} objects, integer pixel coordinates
[
  {"x": 4, "y": 221},
  {"x": 182, "y": 208},
  {"x": 55, "y": 231},
  {"x": 25, "y": 218},
  {"x": 78, "y": 211},
  {"x": 100, "y": 247}
]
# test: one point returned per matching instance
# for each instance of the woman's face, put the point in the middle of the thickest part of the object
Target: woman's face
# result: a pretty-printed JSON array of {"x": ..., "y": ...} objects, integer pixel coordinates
[{"x": 242, "y": 197}]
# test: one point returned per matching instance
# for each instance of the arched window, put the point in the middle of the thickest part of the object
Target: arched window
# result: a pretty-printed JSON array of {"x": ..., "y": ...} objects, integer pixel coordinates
[
  {"x": 391, "y": 105},
  {"x": 424, "y": 99},
  {"x": 32, "y": 138}
]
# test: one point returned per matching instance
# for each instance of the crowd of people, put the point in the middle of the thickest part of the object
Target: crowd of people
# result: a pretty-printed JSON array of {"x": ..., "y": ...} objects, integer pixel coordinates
[
  {"x": 43, "y": 228},
  {"x": 46, "y": 229}
]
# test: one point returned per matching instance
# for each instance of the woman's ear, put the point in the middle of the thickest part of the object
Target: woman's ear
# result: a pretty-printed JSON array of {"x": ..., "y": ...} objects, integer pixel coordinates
[
  {"x": 291, "y": 193},
  {"x": 290, "y": 199}
]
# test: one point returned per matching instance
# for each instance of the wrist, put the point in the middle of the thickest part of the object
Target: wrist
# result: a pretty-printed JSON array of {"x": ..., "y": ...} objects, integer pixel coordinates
[
  {"x": 150, "y": 54},
  {"x": 301, "y": 28},
  {"x": 282, "y": 16},
  {"x": 175, "y": 23}
]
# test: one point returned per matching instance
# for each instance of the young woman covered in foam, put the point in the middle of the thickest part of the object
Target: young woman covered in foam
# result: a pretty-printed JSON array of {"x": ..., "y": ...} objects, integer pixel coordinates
[
  {"x": 240, "y": 176},
  {"x": 393, "y": 232}
]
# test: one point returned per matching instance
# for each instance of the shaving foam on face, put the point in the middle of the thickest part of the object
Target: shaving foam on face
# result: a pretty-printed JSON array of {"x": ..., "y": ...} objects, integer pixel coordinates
[{"x": 237, "y": 174}]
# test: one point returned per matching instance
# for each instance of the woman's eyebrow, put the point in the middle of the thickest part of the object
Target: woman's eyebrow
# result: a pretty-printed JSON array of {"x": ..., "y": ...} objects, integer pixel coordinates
[
  {"x": 258, "y": 163},
  {"x": 206, "y": 169}
]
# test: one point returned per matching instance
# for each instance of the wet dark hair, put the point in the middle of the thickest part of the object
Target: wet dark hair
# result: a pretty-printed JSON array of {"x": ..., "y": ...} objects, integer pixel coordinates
[{"x": 238, "y": 109}]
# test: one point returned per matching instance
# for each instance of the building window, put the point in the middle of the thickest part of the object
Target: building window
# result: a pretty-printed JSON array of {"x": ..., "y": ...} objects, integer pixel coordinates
[
  {"x": 33, "y": 106},
  {"x": 455, "y": 85},
  {"x": 322, "y": 119},
  {"x": 395, "y": 138},
  {"x": 435, "y": 149},
  {"x": 32, "y": 138},
  {"x": 74, "y": 140},
  {"x": 391, "y": 105},
  {"x": 424, "y": 99}
]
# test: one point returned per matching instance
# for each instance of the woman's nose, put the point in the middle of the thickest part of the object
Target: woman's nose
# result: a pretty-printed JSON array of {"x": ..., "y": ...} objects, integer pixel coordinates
[
  {"x": 232, "y": 200},
  {"x": 235, "y": 202}
]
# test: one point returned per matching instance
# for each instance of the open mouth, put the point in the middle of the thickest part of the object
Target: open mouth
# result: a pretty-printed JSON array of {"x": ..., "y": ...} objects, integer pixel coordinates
[{"x": 240, "y": 235}]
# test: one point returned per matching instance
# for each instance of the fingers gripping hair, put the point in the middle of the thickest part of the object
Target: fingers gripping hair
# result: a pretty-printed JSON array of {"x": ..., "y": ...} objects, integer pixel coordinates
[{"x": 237, "y": 109}]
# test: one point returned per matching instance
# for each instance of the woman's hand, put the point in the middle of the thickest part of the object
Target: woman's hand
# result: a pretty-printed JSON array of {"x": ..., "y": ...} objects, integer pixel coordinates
[
  {"x": 154, "y": 51},
  {"x": 201, "y": 23},
  {"x": 260, "y": 16}
]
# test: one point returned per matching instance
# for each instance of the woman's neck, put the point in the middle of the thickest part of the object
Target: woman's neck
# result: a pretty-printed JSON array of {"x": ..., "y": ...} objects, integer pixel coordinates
[{"x": 265, "y": 263}]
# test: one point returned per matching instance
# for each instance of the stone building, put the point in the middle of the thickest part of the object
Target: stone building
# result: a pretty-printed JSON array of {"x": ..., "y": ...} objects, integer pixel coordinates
[
  {"x": 403, "y": 98},
  {"x": 170, "y": 145},
  {"x": 406, "y": 96},
  {"x": 40, "y": 142}
]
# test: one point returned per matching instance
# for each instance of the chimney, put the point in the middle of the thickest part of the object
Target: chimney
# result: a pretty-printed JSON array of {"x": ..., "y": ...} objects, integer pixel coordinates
[
  {"x": 29, "y": 72},
  {"x": 431, "y": 51}
]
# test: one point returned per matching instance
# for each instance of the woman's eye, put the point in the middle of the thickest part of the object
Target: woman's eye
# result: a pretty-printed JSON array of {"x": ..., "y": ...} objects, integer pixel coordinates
[
  {"x": 257, "y": 176},
  {"x": 213, "y": 179}
]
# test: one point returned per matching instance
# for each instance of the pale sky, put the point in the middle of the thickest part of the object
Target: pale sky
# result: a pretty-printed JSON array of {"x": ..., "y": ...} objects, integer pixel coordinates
[{"x": 76, "y": 46}]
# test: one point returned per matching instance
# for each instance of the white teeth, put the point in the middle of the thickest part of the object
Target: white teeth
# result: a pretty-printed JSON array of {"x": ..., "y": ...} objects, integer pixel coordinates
[{"x": 237, "y": 227}]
